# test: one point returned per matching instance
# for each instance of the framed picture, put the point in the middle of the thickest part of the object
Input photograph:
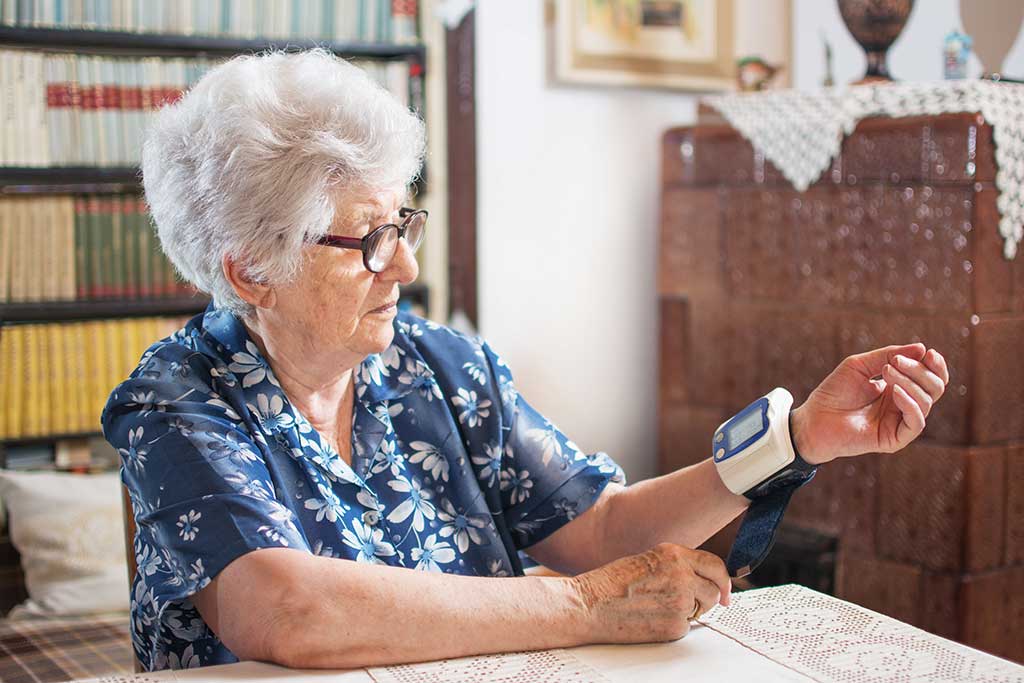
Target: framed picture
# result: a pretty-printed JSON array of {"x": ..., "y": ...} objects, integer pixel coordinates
[{"x": 675, "y": 44}]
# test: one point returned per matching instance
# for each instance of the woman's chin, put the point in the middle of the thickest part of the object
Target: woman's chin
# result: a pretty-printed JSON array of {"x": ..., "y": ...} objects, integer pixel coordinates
[{"x": 379, "y": 332}]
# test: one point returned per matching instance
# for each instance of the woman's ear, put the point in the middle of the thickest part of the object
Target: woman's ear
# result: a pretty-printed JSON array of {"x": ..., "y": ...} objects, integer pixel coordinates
[{"x": 246, "y": 287}]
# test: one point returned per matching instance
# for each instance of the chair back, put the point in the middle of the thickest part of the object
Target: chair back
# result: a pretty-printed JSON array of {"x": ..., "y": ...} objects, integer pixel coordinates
[{"x": 128, "y": 515}]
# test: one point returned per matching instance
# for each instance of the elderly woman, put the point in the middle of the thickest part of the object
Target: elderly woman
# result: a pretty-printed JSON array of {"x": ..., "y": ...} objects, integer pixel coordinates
[{"x": 384, "y": 466}]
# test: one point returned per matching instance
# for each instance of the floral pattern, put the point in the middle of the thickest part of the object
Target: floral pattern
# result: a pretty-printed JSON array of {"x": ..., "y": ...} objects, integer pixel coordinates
[{"x": 452, "y": 471}]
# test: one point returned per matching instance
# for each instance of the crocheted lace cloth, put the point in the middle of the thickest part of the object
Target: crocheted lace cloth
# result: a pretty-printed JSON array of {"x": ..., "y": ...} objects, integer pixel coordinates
[
  {"x": 832, "y": 640},
  {"x": 801, "y": 132}
]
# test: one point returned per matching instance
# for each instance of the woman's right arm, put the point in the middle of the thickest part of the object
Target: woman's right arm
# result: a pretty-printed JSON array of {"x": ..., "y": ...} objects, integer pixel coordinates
[{"x": 306, "y": 611}]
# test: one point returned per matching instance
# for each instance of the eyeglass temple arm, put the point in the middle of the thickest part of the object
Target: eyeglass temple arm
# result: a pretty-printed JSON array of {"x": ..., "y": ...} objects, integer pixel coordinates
[{"x": 339, "y": 241}]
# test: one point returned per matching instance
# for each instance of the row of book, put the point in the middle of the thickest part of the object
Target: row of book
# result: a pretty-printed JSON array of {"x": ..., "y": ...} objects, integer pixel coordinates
[
  {"x": 64, "y": 248},
  {"x": 383, "y": 21},
  {"x": 60, "y": 109},
  {"x": 56, "y": 378}
]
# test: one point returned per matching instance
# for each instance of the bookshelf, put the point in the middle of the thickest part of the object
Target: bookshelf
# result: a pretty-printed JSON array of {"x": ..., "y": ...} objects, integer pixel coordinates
[{"x": 83, "y": 179}]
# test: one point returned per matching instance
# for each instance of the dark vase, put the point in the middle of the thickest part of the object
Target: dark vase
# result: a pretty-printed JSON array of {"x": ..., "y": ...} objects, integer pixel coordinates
[{"x": 875, "y": 24}]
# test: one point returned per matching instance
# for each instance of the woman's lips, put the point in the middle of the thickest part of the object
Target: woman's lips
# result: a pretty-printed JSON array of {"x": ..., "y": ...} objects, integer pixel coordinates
[{"x": 385, "y": 308}]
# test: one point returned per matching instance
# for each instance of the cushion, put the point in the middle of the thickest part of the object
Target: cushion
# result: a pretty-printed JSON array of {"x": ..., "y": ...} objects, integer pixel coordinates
[{"x": 69, "y": 531}]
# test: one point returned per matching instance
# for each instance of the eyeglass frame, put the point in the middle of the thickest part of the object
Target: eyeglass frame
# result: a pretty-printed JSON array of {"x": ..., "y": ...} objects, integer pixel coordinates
[{"x": 360, "y": 243}]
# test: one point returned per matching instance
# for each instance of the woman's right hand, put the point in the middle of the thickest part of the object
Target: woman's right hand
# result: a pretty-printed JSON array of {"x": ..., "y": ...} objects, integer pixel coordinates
[{"x": 651, "y": 596}]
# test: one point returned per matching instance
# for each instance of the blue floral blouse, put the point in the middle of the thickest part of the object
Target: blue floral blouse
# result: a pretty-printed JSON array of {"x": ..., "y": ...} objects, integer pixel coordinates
[{"x": 452, "y": 471}]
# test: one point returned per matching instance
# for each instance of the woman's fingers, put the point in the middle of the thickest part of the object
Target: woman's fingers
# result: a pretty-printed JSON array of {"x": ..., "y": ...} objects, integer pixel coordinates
[
  {"x": 912, "y": 423},
  {"x": 706, "y": 594},
  {"x": 937, "y": 364},
  {"x": 914, "y": 390},
  {"x": 921, "y": 375},
  {"x": 710, "y": 567}
]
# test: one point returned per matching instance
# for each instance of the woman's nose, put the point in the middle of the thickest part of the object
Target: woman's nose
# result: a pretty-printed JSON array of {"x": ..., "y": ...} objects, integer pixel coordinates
[{"x": 403, "y": 266}]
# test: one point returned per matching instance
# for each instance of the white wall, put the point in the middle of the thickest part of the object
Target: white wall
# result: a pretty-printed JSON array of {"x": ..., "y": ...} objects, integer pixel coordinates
[
  {"x": 568, "y": 206},
  {"x": 568, "y": 213}
]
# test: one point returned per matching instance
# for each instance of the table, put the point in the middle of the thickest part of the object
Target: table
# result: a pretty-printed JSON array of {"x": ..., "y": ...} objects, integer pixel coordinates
[{"x": 780, "y": 634}]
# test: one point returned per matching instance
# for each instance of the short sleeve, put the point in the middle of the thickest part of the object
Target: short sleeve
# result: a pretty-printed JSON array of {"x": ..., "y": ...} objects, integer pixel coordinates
[
  {"x": 546, "y": 480},
  {"x": 199, "y": 485}
]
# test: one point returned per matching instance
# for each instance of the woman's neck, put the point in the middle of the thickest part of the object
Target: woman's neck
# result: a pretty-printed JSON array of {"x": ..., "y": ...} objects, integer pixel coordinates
[{"x": 316, "y": 383}]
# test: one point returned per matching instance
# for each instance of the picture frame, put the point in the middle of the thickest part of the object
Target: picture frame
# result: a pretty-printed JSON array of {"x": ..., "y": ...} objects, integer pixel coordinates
[{"x": 690, "y": 45}]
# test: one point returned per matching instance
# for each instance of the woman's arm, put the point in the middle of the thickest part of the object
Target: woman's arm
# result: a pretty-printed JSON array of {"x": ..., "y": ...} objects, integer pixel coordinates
[
  {"x": 307, "y": 611},
  {"x": 875, "y": 401},
  {"x": 685, "y": 507},
  {"x": 302, "y": 610}
]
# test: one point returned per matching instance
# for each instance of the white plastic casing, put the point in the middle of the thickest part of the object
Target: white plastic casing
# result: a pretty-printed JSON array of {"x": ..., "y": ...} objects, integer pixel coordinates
[{"x": 770, "y": 453}]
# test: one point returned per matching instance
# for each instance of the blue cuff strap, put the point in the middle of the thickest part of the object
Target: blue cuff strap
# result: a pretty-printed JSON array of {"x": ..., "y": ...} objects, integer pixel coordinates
[{"x": 757, "y": 531}]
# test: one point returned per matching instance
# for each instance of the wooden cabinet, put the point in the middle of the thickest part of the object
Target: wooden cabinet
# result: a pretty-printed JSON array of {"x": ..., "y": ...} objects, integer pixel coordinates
[{"x": 761, "y": 286}]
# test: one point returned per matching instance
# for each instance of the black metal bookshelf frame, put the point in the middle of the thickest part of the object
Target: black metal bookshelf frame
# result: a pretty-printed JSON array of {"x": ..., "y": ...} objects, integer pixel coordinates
[
  {"x": 70, "y": 311},
  {"x": 178, "y": 45}
]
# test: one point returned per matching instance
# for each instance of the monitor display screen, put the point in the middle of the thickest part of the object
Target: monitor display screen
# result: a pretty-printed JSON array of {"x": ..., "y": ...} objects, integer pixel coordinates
[{"x": 744, "y": 428}]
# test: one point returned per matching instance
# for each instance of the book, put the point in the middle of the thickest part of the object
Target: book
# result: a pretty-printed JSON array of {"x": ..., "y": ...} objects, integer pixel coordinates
[
  {"x": 6, "y": 244},
  {"x": 58, "y": 380}
]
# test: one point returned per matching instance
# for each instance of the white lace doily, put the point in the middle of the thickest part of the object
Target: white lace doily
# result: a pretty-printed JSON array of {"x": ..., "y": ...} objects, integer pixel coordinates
[
  {"x": 801, "y": 132},
  {"x": 549, "y": 666},
  {"x": 831, "y": 640}
]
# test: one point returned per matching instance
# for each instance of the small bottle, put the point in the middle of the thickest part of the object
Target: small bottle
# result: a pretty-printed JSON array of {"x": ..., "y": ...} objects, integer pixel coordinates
[{"x": 956, "y": 48}]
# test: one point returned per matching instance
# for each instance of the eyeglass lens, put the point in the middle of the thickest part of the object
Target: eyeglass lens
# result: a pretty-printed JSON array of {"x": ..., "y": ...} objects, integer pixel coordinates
[{"x": 384, "y": 243}]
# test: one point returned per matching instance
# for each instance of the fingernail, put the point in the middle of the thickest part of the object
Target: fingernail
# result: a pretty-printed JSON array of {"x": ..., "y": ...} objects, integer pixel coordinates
[{"x": 900, "y": 361}]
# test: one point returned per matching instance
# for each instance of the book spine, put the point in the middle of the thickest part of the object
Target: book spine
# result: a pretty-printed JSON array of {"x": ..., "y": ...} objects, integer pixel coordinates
[
  {"x": 42, "y": 118},
  {"x": 15, "y": 394},
  {"x": 66, "y": 236},
  {"x": 86, "y": 110},
  {"x": 102, "y": 112},
  {"x": 73, "y": 114},
  {"x": 55, "y": 379},
  {"x": 19, "y": 250},
  {"x": 51, "y": 247},
  {"x": 7, "y": 107},
  {"x": 108, "y": 273},
  {"x": 94, "y": 247},
  {"x": 144, "y": 265},
  {"x": 129, "y": 247},
  {"x": 81, "y": 249},
  {"x": 31, "y": 383},
  {"x": 57, "y": 97},
  {"x": 19, "y": 152},
  {"x": 117, "y": 266},
  {"x": 6, "y": 246},
  {"x": 37, "y": 235},
  {"x": 7, "y": 382},
  {"x": 42, "y": 378},
  {"x": 81, "y": 372}
]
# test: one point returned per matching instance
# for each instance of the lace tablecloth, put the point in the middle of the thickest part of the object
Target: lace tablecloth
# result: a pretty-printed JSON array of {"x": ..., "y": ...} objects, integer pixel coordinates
[
  {"x": 830, "y": 640},
  {"x": 801, "y": 132},
  {"x": 788, "y": 634}
]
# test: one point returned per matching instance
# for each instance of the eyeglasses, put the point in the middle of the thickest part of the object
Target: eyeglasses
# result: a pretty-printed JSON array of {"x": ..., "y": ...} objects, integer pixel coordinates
[{"x": 380, "y": 246}]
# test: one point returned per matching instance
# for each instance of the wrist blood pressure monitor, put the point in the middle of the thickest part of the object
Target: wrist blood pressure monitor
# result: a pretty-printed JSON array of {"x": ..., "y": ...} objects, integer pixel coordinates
[{"x": 755, "y": 457}]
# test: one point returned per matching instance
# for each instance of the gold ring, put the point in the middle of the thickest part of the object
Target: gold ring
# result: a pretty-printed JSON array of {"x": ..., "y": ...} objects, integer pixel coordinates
[{"x": 696, "y": 612}]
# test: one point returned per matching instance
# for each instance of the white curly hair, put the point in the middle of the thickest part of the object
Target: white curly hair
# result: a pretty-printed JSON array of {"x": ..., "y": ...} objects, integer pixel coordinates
[{"x": 251, "y": 161}]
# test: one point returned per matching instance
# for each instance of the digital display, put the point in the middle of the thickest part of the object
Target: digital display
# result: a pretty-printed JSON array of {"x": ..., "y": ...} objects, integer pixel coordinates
[{"x": 744, "y": 428}]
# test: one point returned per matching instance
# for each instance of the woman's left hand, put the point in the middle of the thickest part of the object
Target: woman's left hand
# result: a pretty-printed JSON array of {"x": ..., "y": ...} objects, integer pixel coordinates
[{"x": 874, "y": 402}]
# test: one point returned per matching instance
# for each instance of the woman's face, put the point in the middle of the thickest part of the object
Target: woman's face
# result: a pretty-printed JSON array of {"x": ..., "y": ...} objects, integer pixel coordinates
[{"x": 344, "y": 306}]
